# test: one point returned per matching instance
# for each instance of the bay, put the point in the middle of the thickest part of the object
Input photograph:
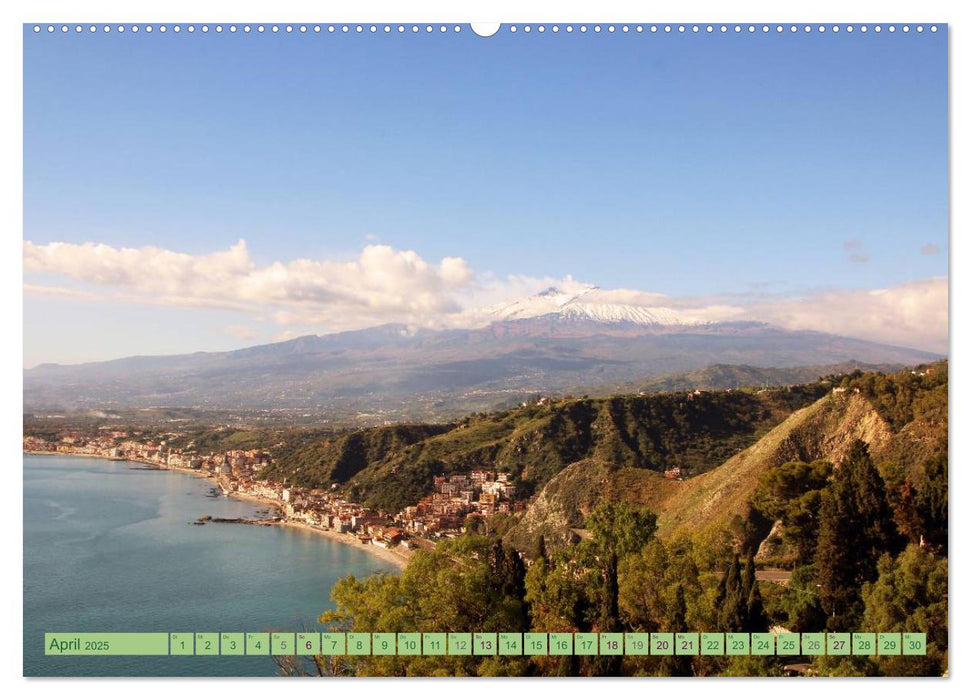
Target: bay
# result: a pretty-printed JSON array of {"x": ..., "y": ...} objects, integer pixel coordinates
[{"x": 109, "y": 546}]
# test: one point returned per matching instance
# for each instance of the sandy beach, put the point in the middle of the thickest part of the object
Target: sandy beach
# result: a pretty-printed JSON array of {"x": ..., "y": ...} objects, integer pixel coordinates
[
  {"x": 395, "y": 557},
  {"x": 390, "y": 556}
]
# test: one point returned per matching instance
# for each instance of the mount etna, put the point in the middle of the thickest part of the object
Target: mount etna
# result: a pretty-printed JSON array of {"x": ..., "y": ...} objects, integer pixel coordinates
[{"x": 553, "y": 342}]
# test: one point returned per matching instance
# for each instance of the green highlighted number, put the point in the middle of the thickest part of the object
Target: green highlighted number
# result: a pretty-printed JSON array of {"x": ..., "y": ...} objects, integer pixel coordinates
[
  {"x": 787, "y": 644},
  {"x": 511, "y": 643},
  {"x": 232, "y": 644},
  {"x": 182, "y": 644},
  {"x": 736, "y": 643},
  {"x": 712, "y": 644},
  {"x": 888, "y": 644},
  {"x": 333, "y": 644},
  {"x": 409, "y": 643},
  {"x": 763, "y": 643},
  {"x": 561, "y": 643},
  {"x": 915, "y": 644},
  {"x": 358, "y": 643},
  {"x": 258, "y": 644},
  {"x": 585, "y": 643},
  {"x": 536, "y": 643},
  {"x": 383, "y": 644},
  {"x": 207, "y": 644},
  {"x": 433, "y": 643},
  {"x": 864, "y": 643}
]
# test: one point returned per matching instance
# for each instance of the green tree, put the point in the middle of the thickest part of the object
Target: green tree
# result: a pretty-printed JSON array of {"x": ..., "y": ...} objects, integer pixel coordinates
[
  {"x": 731, "y": 601},
  {"x": 910, "y": 595},
  {"x": 779, "y": 486},
  {"x": 464, "y": 585},
  {"x": 755, "y": 618},
  {"x": 802, "y": 603},
  {"x": 921, "y": 508},
  {"x": 609, "y": 619},
  {"x": 856, "y": 528},
  {"x": 620, "y": 529},
  {"x": 677, "y": 665},
  {"x": 792, "y": 493}
]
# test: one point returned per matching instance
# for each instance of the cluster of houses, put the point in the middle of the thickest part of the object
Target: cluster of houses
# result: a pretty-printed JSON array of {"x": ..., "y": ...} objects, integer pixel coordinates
[
  {"x": 442, "y": 514},
  {"x": 116, "y": 445},
  {"x": 455, "y": 497},
  {"x": 103, "y": 444},
  {"x": 329, "y": 511}
]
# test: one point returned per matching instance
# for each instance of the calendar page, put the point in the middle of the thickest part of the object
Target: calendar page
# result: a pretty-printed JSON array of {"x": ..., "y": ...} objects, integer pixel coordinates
[{"x": 531, "y": 349}]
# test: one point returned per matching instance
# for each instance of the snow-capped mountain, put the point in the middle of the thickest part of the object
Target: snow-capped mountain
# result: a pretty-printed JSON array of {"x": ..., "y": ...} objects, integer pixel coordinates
[
  {"x": 566, "y": 339},
  {"x": 590, "y": 303}
]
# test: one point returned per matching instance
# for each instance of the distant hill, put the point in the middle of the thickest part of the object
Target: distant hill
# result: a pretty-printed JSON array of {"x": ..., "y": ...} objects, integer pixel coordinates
[{"x": 722, "y": 376}]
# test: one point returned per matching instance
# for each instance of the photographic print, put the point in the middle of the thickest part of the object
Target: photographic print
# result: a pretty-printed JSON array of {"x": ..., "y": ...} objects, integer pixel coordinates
[{"x": 485, "y": 350}]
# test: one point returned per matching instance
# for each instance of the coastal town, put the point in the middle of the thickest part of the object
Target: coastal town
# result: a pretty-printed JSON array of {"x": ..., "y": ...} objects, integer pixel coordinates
[{"x": 237, "y": 473}]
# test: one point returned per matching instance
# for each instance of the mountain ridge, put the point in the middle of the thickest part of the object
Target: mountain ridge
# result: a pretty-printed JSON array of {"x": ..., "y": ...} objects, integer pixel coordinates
[
  {"x": 901, "y": 416},
  {"x": 557, "y": 342}
]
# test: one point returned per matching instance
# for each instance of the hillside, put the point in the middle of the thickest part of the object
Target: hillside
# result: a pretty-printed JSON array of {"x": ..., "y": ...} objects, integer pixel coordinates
[
  {"x": 336, "y": 459},
  {"x": 902, "y": 417},
  {"x": 388, "y": 468}
]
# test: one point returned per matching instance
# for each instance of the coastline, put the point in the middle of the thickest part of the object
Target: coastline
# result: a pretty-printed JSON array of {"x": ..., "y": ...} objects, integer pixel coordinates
[
  {"x": 395, "y": 558},
  {"x": 388, "y": 556}
]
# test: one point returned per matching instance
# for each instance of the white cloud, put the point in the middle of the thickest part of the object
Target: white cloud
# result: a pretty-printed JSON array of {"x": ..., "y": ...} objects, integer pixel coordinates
[
  {"x": 58, "y": 291},
  {"x": 241, "y": 332},
  {"x": 384, "y": 285},
  {"x": 913, "y": 314}
]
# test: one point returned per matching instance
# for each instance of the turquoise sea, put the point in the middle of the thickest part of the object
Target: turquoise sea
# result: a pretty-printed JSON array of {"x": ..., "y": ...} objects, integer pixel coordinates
[{"x": 109, "y": 547}]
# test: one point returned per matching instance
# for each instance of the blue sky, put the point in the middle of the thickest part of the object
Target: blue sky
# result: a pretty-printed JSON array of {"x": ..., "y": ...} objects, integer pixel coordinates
[{"x": 753, "y": 167}]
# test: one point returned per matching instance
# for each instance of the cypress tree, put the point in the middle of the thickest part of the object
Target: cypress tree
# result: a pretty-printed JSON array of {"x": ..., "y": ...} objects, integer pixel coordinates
[
  {"x": 748, "y": 576},
  {"x": 873, "y": 509},
  {"x": 610, "y": 598},
  {"x": 836, "y": 563},
  {"x": 609, "y": 619},
  {"x": 855, "y": 529},
  {"x": 756, "y": 619},
  {"x": 541, "y": 552},
  {"x": 515, "y": 574},
  {"x": 497, "y": 566},
  {"x": 932, "y": 500},
  {"x": 731, "y": 602},
  {"x": 676, "y": 665}
]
